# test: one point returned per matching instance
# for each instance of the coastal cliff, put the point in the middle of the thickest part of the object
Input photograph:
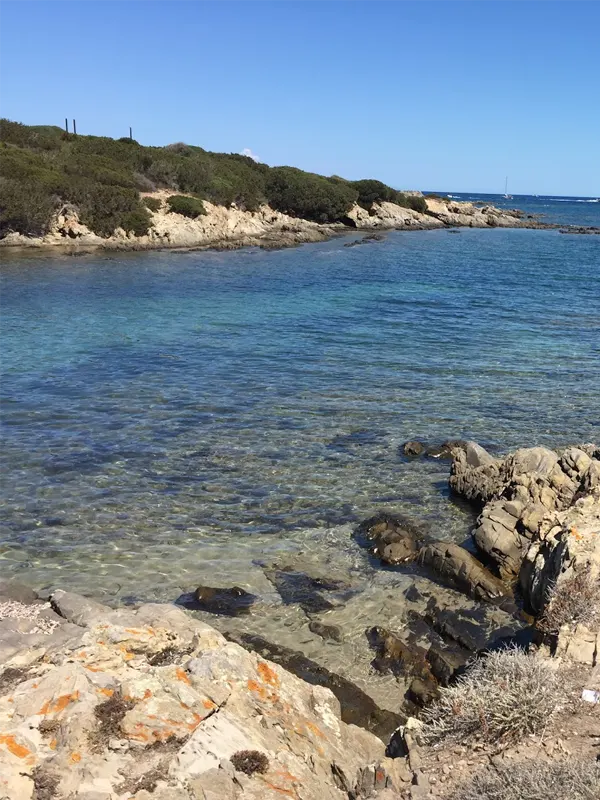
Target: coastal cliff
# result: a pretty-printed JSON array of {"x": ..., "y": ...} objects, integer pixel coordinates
[{"x": 232, "y": 227}]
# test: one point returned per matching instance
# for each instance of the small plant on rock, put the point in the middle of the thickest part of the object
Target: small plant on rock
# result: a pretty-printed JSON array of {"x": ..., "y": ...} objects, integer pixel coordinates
[
  {"x": 574, "y": 601},
  {"x": 250, "y": 761},
  {"x": 534, "y": 780},
  {"x": 503, "y": 697}
]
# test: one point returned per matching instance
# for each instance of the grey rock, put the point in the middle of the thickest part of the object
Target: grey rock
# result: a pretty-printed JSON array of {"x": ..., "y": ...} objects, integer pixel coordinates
[{"x": 457, "y": 566}]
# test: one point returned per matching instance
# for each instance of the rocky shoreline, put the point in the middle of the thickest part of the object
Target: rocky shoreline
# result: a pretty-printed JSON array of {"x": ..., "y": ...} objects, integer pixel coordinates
[
  {"x": 232, "y": 228},
  {"x": 154, "y": 702}
]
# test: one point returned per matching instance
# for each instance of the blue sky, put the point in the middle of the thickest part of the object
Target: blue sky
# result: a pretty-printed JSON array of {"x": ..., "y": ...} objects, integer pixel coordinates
[{"x": 435, "y": 95}]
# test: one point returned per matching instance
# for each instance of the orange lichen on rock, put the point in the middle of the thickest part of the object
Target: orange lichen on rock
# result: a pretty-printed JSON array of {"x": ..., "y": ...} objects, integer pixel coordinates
[
  {"x": 11, "y": 744},
  {"x": 52, "y": 744},
  {"x": 107, "y": 692},
  {"x": 278, "y": 780},
  {"x": 208, "y": 704},
  {"x": 61, "y": 703},
  {"x": 127, "y": 655},
  {"x": 182, "y": 676},
  {"x": 147, "y": 694},
  {"x": 267, "y": 674},
  {"x": 257, "y": 689},
  {"x": 75, "y": 757}
]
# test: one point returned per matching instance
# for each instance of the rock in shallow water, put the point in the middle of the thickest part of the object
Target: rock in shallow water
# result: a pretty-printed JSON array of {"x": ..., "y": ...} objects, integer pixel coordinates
[{"x": 231, "y": 602}]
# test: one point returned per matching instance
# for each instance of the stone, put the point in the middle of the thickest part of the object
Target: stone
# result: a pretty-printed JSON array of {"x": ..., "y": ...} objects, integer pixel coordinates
[
  {"x": 327, "y": 632},
  {"x": 19, "y": 592},
  {"x": 392, "y": 538},
  {"x": 461, "y": 569},
  {"x": 446, "y": 449},
  {"x": 474, "y": 474},
  {"x": 231, "y": 601},
  {"x": 311, "y": 591},
  {"x": 413, "y": 448}
]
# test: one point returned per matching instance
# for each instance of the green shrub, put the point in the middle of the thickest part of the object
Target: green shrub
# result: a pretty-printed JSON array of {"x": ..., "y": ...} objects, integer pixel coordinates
[
  {"x": 413, "y": 201},
  {"x": 42, "y": 137},
  {"x": 163, "y": 172},
  {"x": 302, "y": 194},
  {"x": 105, "y": 208},
  {"x": 24, "y": 208},
  {"x": 371, "y": 191},
  {"x": 153, "y": 203},
  {"x": 186, "y": 206}
]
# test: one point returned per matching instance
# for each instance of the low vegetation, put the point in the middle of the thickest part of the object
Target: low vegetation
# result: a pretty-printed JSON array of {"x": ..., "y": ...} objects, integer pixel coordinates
[
  {"x": 503, "y": 697},
  {"x": 186, "y": 206},
  {"x": 42, "y": 168},
  {"x": 575, "y": 601},
  {"x": 534, "y": 780},
  {"x": 152, "y": 203}
]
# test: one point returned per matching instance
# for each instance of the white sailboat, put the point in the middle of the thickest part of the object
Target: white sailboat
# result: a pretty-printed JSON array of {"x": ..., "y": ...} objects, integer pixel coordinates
[{"x": 507, "y": 196}]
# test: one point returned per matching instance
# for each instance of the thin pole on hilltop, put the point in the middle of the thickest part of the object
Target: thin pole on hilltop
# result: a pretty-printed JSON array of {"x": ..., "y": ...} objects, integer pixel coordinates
[
  {"x": 66, "y": 125},
  {"x": 74, "y": 128}
]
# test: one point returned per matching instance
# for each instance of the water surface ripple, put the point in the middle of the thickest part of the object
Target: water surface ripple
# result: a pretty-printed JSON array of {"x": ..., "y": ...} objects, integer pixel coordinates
[{"x": 170, "y": 418}]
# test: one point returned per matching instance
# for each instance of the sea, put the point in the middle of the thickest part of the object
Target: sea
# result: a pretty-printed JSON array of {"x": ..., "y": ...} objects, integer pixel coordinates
[{"x": 171, "y": 419}]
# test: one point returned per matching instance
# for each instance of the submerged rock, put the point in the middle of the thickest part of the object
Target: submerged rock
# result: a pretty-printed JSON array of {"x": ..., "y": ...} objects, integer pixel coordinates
[
  {"x": 357, "y": 707},
  {"x": 392, "y": 538},
  {"x": 231, "y": 601},
  {"x": 312, "y": 592},
  {"x": 413, "y": 448}
]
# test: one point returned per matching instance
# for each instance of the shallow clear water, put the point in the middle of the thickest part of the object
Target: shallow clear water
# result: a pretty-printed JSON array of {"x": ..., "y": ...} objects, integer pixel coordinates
[{"x": 176, "y": 418}]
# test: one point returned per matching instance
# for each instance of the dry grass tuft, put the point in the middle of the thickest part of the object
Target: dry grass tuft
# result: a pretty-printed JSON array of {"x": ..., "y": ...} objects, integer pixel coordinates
[
  {"x": 575, "y": 601},
  {"x": 502, "y": 697},
  {"x": 534, "y": 780}
]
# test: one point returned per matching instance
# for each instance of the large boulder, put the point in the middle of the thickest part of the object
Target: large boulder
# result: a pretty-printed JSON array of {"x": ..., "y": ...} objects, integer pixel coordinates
[
  {"x": 151, "y": 702},
  {"x": 475, "y": 474},
  {"x": 458, "y": 567}
]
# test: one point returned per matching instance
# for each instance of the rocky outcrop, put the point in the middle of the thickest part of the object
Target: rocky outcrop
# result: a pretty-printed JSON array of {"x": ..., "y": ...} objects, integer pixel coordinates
[
  {"x": 396, "y": 540},
  {"x": 117, "y": 704},
  {"x": 232, "y": 227},
  {"x": 540, "y": 524}
]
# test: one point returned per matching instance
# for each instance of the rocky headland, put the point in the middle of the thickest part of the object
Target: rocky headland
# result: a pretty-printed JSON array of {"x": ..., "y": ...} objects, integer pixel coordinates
[
  {"x": 232, "y": 227},
  {"x": 208, "y": 700}
]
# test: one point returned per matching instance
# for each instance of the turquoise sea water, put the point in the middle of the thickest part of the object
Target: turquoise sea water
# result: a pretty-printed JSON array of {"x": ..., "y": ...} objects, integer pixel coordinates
[{"x": 170, "y": 418}]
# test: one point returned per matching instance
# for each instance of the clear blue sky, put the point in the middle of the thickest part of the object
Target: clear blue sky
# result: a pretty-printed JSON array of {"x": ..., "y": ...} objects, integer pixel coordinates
[{"x": 446, "y": 95}]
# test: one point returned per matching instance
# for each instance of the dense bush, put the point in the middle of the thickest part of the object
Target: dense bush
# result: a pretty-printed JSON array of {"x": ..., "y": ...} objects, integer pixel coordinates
[
  {"x": 503, "y": 696},
  {"x": 153, "y": 203},
  {"x": 302, "y": 194},
  {"x": 186, "y": 206},
  {"x": 534, "y": 780},
  {"x": 370, "y": 191},
  {"x": 413, "y": 201},
  {"x": 24, "y": 208},
  {"x": 105, "y": 208}
]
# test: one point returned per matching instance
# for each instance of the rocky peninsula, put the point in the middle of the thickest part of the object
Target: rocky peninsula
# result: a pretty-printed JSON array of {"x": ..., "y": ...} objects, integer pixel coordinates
[
  {"x": 231, "y": 227},
  {"x": 154, "y": 702},
  {"x": 77, "y": 192}
]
